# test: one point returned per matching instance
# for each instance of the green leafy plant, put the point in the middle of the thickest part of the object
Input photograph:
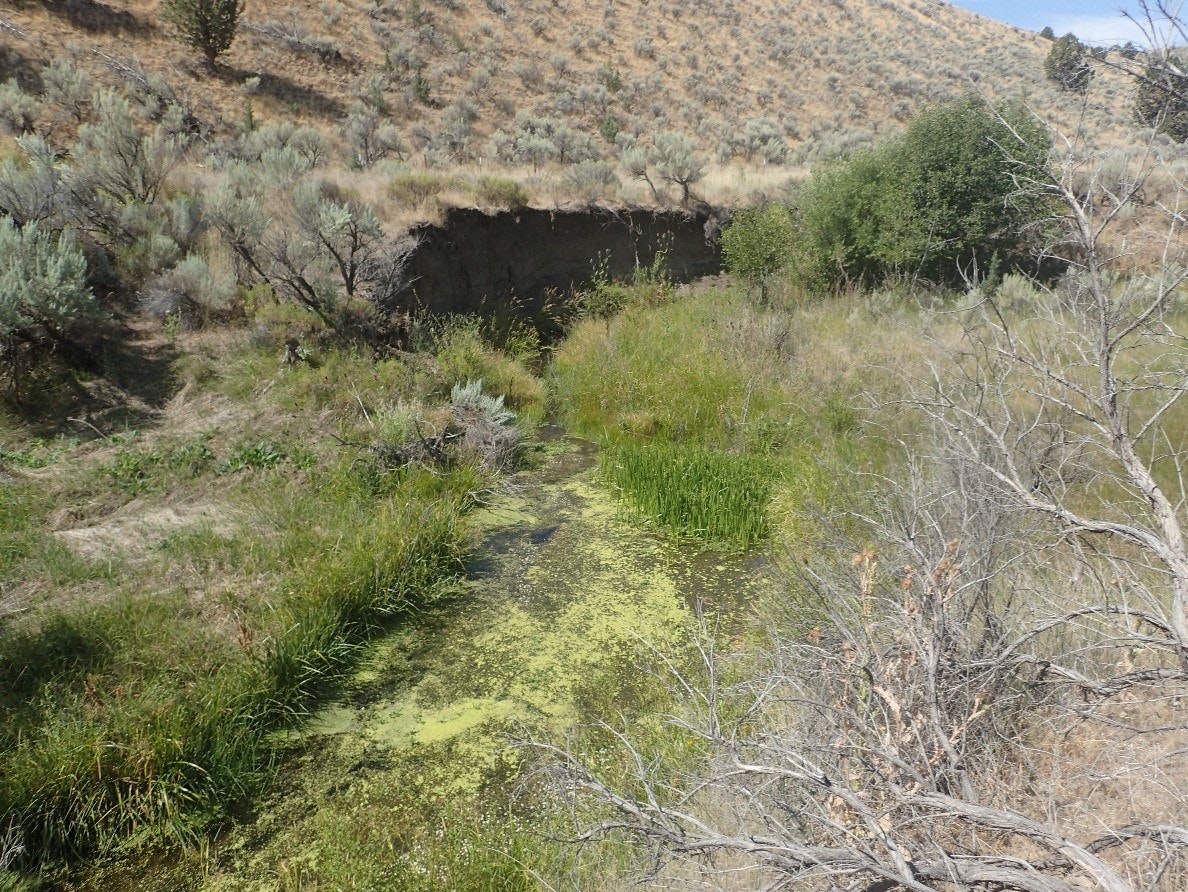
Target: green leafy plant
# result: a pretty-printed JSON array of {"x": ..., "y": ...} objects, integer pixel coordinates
[
  {"x": 758, "y": 243},
  {"x": 38, "y": 452}
]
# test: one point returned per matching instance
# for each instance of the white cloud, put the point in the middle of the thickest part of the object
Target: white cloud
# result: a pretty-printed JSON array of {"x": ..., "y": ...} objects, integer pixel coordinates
[{"x": 1108, "y": 29}]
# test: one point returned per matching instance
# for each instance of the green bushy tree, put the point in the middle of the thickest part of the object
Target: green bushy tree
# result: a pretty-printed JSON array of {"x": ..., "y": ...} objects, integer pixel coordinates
[
  {"x": 1161, "y": 100},
  {"x": 940, "y": 202},
  {"x": 207, "y": 25},
  {"x": 838, "y": 214},
  {"x": 1066, "y": 64},
  {"x": 758, "y": 243}
]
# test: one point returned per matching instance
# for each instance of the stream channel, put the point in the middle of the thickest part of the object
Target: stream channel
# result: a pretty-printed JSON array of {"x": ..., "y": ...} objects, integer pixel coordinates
[{"x": 544, "y": 631}]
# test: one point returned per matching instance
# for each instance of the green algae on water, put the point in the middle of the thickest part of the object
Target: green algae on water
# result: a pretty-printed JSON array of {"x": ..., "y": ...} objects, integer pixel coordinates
[{"x": 564, "y": 602}]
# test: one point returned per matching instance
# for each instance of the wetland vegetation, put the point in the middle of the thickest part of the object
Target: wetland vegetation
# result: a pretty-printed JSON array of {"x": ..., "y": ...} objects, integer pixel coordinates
[{"x": 860, "y": 566}]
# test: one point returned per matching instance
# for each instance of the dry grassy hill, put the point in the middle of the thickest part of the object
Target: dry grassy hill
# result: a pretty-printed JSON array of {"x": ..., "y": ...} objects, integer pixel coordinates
[{"x": 738, "y": 75}]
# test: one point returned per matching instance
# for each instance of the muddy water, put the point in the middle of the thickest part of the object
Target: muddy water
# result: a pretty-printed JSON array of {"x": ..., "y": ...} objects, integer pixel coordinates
[{"x": 547, "y": 626}]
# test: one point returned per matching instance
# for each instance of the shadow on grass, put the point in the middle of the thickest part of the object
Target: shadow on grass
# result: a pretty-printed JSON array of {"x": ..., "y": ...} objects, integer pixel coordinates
[
  {"x": 294, "y": 96},
  {"x": 62, "y": 647},
  {"x": 98, "y": 18},
  {"x": 109, "y": 382}
]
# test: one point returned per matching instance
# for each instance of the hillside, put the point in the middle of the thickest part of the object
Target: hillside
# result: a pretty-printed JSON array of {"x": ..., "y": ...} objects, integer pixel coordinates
[{"x": 760, "y": 80}]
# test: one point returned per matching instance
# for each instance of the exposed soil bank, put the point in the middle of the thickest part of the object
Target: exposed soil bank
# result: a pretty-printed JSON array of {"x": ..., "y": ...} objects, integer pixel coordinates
[{"x": 478, "y": 261}]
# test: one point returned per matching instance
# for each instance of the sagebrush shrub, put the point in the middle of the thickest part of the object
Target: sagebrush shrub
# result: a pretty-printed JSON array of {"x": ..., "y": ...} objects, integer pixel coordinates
[
  {"x": 191, "y": 289},
  {"x": 591, "y": 180},
  {"x": 18, "y": 110},
  {"x": 43, "y": 286}
]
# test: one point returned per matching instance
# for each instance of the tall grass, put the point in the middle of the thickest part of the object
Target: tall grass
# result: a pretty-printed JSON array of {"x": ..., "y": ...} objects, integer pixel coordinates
[
  {"x": 144, "y": 714},
  {"x": 692, "y": 491},
  {"x": 724, "y": 420},
  {"x": 679, "y": 371}
]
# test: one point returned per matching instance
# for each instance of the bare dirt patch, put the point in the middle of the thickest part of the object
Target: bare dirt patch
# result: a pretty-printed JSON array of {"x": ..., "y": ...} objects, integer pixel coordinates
[{"x": 132, "y": 532}]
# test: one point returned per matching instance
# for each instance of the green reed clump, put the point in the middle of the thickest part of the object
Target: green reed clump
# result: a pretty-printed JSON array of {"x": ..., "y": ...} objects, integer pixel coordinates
[{"x": 693, "y": 491}]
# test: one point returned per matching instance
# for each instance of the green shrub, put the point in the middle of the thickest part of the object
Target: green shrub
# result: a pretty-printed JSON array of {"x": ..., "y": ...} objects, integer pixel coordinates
[
  {"x": 759, "y": 242},
  {"x": 264, "y": 455},
  {"x": 939, "y": 202},
  {"x": 208, "y": 26},
  {"x": 500, "y": 192}
]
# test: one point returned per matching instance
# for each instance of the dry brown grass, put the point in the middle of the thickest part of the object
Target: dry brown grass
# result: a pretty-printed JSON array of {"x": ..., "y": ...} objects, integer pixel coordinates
[{"x": 829, "y": 75}]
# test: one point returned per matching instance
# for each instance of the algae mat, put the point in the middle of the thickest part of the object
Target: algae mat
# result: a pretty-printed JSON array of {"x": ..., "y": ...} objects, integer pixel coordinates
[{"x": 562, "y": 598}]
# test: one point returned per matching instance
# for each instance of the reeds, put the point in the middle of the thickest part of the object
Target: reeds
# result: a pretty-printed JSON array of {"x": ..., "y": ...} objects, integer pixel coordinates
[{"x": 692, "y": 491}]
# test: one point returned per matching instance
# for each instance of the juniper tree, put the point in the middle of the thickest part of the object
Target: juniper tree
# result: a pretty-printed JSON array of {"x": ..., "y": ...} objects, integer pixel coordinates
[
  {"x": 1066, "y": 64},
  {"x": 1161, "y": 100},
  {"x": 207, "y": 25}
]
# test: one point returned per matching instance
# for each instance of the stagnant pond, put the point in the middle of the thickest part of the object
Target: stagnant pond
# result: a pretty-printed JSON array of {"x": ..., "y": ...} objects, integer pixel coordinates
[{"x": 548, "y": 624}]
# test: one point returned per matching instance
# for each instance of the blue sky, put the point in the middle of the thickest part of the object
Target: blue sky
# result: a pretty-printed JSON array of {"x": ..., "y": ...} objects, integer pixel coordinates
[{"x": 1091, "y": 20}]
